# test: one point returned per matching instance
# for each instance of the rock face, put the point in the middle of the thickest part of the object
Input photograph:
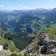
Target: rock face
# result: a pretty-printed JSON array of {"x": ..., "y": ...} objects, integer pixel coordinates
[
  {"x": 1, "y": 30},
  {"x": 49, "y": 45}
]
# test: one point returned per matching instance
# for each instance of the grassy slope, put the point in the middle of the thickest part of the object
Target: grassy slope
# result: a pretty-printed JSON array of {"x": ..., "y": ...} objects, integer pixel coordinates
[
  {"x": 51, "y": 32},
  {"x": 10, "y": 43}
]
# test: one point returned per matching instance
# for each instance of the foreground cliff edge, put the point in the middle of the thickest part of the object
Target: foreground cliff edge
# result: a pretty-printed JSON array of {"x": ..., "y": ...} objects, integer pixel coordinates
[{"x": 44, "y": 43}]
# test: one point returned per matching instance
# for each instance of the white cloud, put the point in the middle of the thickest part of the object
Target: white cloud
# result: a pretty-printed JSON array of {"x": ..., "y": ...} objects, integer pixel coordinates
[
  {"x": 2, "y": 7},
  {"x": 23, "y": 8}
]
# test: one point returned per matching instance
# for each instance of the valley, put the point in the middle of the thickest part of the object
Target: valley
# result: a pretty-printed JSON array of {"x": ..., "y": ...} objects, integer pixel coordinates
[{"x": 22, "y": 31}]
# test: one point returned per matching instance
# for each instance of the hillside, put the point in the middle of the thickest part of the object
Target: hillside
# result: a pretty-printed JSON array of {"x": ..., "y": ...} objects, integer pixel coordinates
[
  {"x": 10, "y": 44},
  {"x": 7, "y": 46},
  {"x": 51, "y": 32},
  {"x": 38, "y": 42}
]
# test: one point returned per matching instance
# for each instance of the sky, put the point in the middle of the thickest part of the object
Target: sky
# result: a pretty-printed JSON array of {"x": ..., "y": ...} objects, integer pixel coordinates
[{"x": 26, "y": 4}]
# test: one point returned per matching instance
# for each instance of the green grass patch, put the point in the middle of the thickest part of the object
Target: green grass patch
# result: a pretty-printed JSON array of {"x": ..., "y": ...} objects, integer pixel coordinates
[{"x": 51, "y": 32}]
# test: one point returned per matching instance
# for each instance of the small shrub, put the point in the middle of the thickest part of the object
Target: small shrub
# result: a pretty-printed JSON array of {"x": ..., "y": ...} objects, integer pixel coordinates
[
  {"x": 14, "y": 54},
  {"x": 36, "y": 47},
  {"x": 26, "y": 54},
  {"x": 5, "y": 46}
]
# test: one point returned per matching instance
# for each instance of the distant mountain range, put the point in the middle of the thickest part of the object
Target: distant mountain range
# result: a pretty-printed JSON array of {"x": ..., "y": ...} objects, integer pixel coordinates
[{"x": 38, "y": 10}]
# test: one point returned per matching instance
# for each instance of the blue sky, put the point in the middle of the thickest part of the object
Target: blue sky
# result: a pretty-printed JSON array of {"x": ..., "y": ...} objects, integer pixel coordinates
[{"x": 26, "y": 4}]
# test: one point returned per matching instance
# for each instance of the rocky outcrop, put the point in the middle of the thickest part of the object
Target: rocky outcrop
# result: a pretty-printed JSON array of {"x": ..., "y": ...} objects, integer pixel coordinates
[
  {"x": 48, "y": 43},
  {"x": 1, "y": 30}
]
